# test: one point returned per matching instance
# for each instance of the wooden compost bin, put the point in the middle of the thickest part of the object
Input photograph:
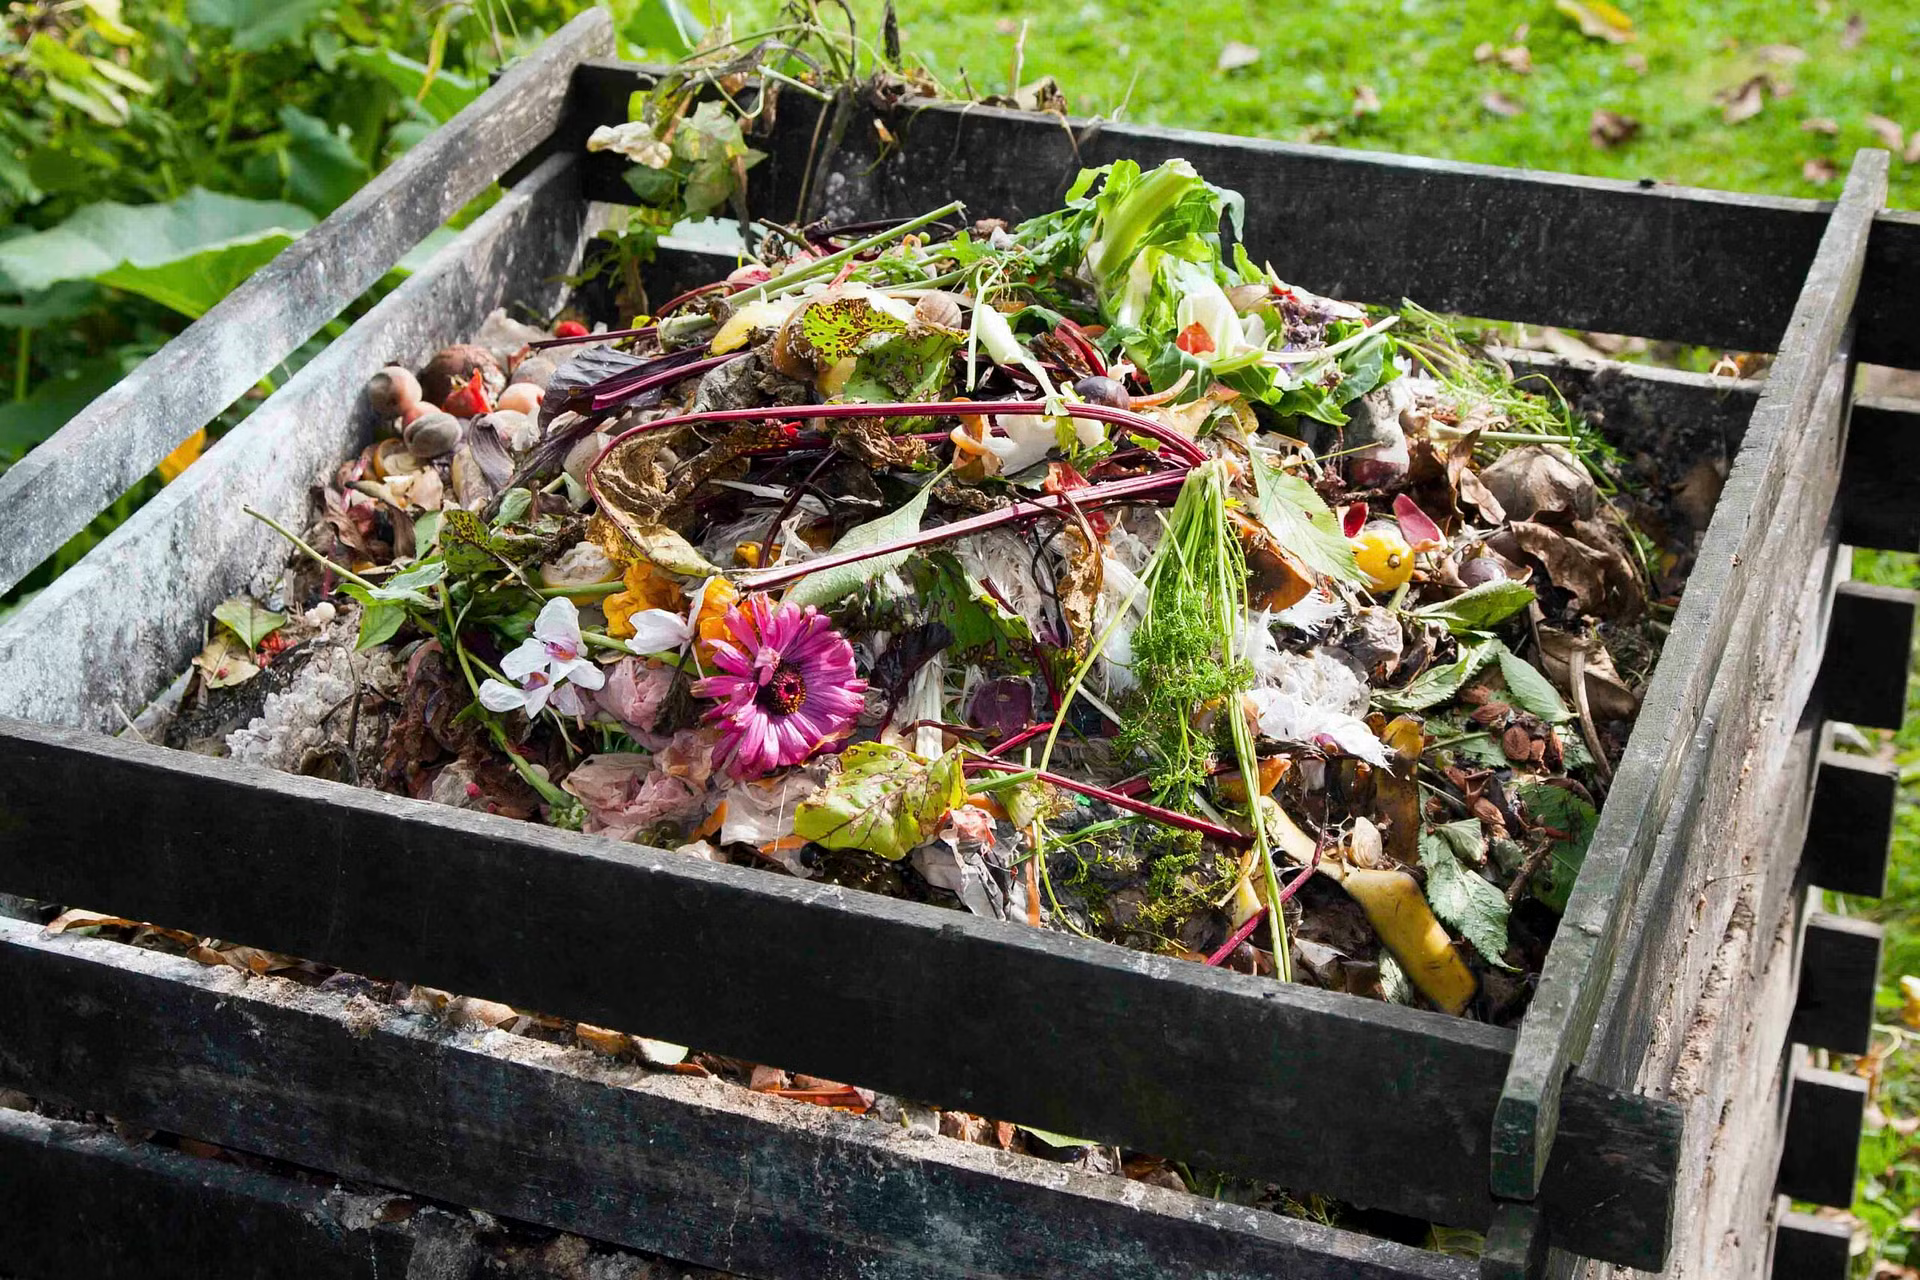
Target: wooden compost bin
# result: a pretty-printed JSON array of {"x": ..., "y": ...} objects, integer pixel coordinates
[{"x": 1645, "y": 1114}]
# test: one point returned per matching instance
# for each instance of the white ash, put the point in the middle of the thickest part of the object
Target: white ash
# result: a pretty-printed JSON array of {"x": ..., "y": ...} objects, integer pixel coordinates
[{"x": 314, "y": 711}]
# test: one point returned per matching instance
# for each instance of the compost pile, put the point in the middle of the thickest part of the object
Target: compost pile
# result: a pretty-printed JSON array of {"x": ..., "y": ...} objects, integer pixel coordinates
[{"x": 1081, "y": 574}]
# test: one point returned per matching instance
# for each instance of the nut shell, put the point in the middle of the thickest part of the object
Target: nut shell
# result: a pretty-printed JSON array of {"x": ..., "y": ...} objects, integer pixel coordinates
[{"x": 433, "y": 436}]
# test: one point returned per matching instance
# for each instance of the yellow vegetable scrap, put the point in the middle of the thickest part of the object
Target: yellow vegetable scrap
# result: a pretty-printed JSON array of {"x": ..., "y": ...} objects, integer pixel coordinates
[{"x": 647, "y": 587}]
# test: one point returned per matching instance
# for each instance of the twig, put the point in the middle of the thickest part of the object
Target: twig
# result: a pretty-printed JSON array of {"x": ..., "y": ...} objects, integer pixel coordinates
[{"x": 1577, "y": 678}]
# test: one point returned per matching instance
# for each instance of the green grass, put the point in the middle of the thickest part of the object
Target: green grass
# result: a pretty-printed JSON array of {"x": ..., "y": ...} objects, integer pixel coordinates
[{"x": 1154, "y": 61}]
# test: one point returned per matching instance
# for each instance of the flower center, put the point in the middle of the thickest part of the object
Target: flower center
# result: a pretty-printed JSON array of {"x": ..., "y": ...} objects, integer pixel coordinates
[{"x": 786, "y": 692}]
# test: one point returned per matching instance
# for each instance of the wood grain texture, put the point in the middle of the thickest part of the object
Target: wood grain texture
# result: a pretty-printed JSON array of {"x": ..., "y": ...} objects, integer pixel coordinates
[
  {"x": 1850, "y": 832},
  {"x": 1822, "y": 1153},
  {"x": 1839, "y": 967},
  {"x": 1714, "y": 268},
  {"x": 1560, "y": 1021},
  {"x": 106, "y": 449},
  {"x": 1869, "y": 641},
  {"x": 1880, "y": 489},
  {"x": 1806, "y": 1247},
  {"x": 691, "y": 1168},
  {"x": 113, "y": 630},
  {"x": 1143, "y": 1051}
]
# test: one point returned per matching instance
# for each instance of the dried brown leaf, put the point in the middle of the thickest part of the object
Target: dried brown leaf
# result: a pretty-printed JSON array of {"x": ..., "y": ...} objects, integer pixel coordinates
[
  {"x": 1855, "y": 32},
  {"x": 1365, "y": 101},
  {"x": 1235, "y": 54},
  {"x": 1501, "y": 105},
  {"x": 1820, "y": 124},
  {"x": 1891, "y": 135},
  {"x": 1608, "y": 129},
  {"x": 1517, "y": 59},
  {"x": 1484, "y": 51},
  {"x": 1819, "y": 169},
  {"x": 1744, "y": 101}
]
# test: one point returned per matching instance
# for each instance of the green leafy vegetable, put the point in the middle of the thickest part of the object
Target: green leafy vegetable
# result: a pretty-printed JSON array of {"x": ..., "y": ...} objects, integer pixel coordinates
[
  {"x": 1529, "y": 690},
  {"x": 885, "y": 800},
  {"x": 1436, "y": 685},
  {"x": 982, "y": 628},
  {"x": 1301, "y": 522},
  {"x": 1562, "y": 810},
  {"x": 829, "y": 585}
]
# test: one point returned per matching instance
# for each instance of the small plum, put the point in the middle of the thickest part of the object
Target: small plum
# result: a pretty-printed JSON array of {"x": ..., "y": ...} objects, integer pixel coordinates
[
  {"x": 453, "y": 367},
  {"x": 393, "y": 391}
]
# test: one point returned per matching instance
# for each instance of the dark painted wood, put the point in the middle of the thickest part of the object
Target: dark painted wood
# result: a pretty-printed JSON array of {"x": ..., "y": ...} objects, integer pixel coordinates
[
  {"x": 1668, "y": 413},
  {"x": 1560, "y": 1020},
  {"x": 1144, "y": 1051},
  {"x": 1869, "y": 643},
  {"x": 57, "y": 489},
  {"x": 690, "y": 1168},
  {"x": 1822, "y": 1152},
  {"x": 1516, "y": 1247},
  {"x": 1880, "y": 488},
  {"x": 1839, "y": 967},
  {"x": 113, "y": 630},
  {"x": 1809, "y": 1248},
  {"x": 1713, "y": 268},
  {"x": 1850, "y": 832}
]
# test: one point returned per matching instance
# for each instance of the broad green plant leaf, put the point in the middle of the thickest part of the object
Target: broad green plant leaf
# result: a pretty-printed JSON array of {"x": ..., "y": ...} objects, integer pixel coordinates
[
  {"x": 1479, "y": 608},
  {"x": 884, "y": 800},
  {"x": 440, "y": 94},
  {"x": 1301, "y": 522},
  {"x": 666, "y": 26},
  {"x": 186, "y": 254},
  {"x": 322, "y": 169},
  {"x": 1529, "y": 690},
  {"x": 1434, "y": 686},
  {"x": 1564, "y": 811},
  {"x": 1466, "y": 901},
  {"x": 829, "y": 585},
  {"x": 256, "y": 25},
  {"x": 248, "y": 620},
  {"x": 25, "y": 423}
]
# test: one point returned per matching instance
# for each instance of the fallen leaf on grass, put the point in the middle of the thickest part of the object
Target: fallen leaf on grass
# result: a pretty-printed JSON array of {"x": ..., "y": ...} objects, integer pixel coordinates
[
  {"x": 1855, "y": 32},
  {"x": 1635, "y": 62},
  {"x": 1745, "y": 101},
  {"x": 1501, "y": 105},
  {"x": 1365, "y": 101},
  {"x": 1781, "y": 55},
  {"x": 1819, "y": 169},
  {"x": 1820, "y": 124},
  {"x": 1599, "y": 20},
  {"x": 1484, "y": 51},
  {"x": 1609, "y": 129},
  {"x": 1517, "y": 59},
  {"x": 1912, "y": 155},
  {"x": 1891, "y": 135},
  {"x": 1234, "y": 55}
]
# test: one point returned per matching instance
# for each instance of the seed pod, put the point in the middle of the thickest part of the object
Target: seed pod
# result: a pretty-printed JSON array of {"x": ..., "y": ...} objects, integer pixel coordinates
[
  {"x": 1517, "y": 744},
  {"x": 1479, "y": 570},
  {"x": 433, "y": 435},
  {"x": 520, "y": 397},
  {"x": 481, "y": 466},
  {"x": 393, "y": 391},
  {"x": 1095, "y": 389},
  {"x": 455, "y": 366},
  {"x": 535, "y": 370},
  {"x": 938, "y": 307}
]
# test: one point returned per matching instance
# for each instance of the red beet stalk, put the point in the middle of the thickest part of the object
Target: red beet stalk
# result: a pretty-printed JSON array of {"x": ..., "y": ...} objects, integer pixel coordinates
[
  {"x": 617, "y": 390},
  {"x": 1170, "y": 817},
  {"x": 606, "y": 336}
]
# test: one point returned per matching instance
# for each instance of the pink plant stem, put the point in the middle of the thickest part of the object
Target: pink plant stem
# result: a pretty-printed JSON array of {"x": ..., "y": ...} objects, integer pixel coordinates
[
  {"x": 1237, "y": 937},
  {"x": 624, "y": 387},
  {"x": 1019, "y": 739},
  {"x": 1170, "y": 817},
  {"x": 606, "y": 336},
  {"x": 1132, "y": 489}
]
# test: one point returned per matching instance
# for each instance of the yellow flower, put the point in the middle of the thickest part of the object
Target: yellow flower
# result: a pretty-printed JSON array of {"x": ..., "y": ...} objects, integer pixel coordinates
[
  {"x": 647, "y": 587},
  {"x": 711, "y": 625},
  {"x": 180, "y": 459}
]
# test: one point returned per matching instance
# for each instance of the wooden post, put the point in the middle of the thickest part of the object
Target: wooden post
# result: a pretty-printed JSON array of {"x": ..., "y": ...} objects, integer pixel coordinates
[
  {"x": 1839, "y": 967},
  {"x": 1822, "y": 1153},
  {"x": 1869, "y": 644},
  {"x": 1850, "y": 830}
]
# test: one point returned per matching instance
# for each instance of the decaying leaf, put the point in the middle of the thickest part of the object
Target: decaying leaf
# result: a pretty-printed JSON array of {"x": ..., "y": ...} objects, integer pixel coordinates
[
  {"x": 1744, "y": 101},
  {"x": 1598, "y": 20},
  {"x": 248, "y": 621},
  {"x": 1891, "y": 135},
  {"x": 1819, "y": 169},
  {"x": 1235, "y": 54},
  {"x": 1365, "y": 101},
  {"x": 224, "y": 662},
  {"x": 1471, "y": 905},
  {"x": 1502, "y": 105},
  {"x": 885, "y": 800},
  {"x": 1586, "y": 561},
  {"x": 1609, "y": 129},
  {"x": 1608, "y": 697}
]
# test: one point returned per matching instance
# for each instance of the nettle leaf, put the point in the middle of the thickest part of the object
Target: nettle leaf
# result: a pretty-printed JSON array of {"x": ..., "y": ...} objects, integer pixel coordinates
[
  {"x": 1468, "y": 903},
  {"x": 1302, "y": 523},
  {"x": 829, "y": 585},
  {"x": 1481, "y": 607},
  {"x": 248, "y": 620},
  {"x": 1437, "y": 684},
  {"x": 885, "y": 800},
  {"x": 906, "y": 366},
  {"x": 1529, "y": 690},
  {"x": 1561, "y": 809}
]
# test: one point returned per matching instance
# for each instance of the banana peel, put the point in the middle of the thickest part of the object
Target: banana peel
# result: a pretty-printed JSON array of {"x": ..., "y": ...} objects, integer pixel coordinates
[{"x": 1412, "y": 935}]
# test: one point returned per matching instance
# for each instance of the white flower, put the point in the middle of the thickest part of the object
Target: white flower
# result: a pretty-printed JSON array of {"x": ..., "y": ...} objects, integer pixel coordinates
[
  {"x": 634, "y": 140},
  {"x": 549, "y": 666}
]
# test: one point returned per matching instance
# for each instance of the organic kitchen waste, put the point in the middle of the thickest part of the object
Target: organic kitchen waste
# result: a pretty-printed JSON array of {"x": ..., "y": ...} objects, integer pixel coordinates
[{"x": 1081, "y": 574}]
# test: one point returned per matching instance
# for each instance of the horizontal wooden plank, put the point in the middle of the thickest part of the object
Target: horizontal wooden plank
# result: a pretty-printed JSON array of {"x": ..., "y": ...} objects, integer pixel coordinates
[
  {"x": 1869, "y": 645},
  {"x": 113, "y": 630},
  {"x": 59, "y": 487},
  {"x": 1324, "y": 1091},
  {"x": 1576, "y": 976},
  {"x": 691, "y": 1168},
  {"x": 1822, "y": 1153},
  {"x": 1850, "y": 832},
  {"x": 1713, "y": 268},
  {"x": 1839, "y": 968},
  {"x": 1809, "y": 1248},
  {"x": 1880, "y": 486}
]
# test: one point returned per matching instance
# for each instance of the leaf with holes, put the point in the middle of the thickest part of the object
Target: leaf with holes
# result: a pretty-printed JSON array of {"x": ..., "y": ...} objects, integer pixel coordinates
[{"x": 884, "y": 800}]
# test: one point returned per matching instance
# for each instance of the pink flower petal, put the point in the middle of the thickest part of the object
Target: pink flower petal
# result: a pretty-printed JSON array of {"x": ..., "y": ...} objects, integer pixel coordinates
[
  {"x": 1353, "y": 518},
  {"x": 1421, "y": 533}
]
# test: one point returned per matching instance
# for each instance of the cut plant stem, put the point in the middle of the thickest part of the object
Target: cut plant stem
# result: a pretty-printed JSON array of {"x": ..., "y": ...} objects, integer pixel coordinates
[
  {"x": 295, "y": 539},
  {"x": 1169, "y": 817}
]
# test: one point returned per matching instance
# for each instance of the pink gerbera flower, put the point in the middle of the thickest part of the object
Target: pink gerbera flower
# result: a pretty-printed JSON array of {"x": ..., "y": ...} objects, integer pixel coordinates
[{"x": 786, "y": 686}]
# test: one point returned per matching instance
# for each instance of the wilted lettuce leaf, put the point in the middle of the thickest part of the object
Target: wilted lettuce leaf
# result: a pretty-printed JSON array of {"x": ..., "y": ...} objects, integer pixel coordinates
[{"x": 1481, "y": 607}]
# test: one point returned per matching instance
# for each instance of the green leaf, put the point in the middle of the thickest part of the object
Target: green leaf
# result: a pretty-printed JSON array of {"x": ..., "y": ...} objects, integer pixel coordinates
[
  {"x": 466, "y": 543},
  {"x": 981, "y": 627},
  {"x": 1301, "y": 522},
  {"x": 829, "y": 585},
  {"x": 322, "y": 169},
  {"x": 409, "y": 585},
  {"x": 378, "y": 623},
  {"x": 68, "y": 300},
  {"x": 1059, "y": 1141},
  {"x": 885, "y": 800},
  {"x": 513, "y": 505},
  {"x": 1466, "y": 901},
  {"x": 257, "y": 24},
  {"x": 1437, "y": 684},
  {"x": 1480, "y": 607},
  {"x": 1529, "y": 690},
  {"x": 906, "y": 366},
  {"x": 835, "y": 328},
  {"x": 652, "y": 186},
  {"x": 25, "y": 423},
  {"x": 248, "y": 620},
  {"x": 1561, "y": 809},
  {"x": 186, "y": 253},
  {"x": 441, "y": 96},
  {"x": 664, "y": 25}
]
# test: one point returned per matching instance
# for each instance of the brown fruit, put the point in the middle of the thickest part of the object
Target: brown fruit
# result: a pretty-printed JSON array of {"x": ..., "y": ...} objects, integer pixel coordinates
[
  {"x": 455, "y": 366},
  {"x": 1517, "y": 743},
  {"x": 432, "y": 436},
  {"x": 393, "y": 391}
]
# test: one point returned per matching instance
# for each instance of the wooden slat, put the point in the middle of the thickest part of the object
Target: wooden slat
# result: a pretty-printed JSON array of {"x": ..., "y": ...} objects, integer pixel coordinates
[
  {"x": 1880, "y": 488},
  {"x": 1822, "y": 1153},
  {"x": 1324, "y": 1091},
  {"x": 113, "y": 630},
  {"x": 1560, "y": 1021},
  {"x": 1850, "y": 832},
  {"x": 1869, "y": 644},
  {"x": 1706, "y": 267},
  {"x": 1839, "y": 967},
  {"x": 691, "y": 1168},
  {"x": 1672, "y": 414},
  {"x": 1810, "y": 1248},
  {"x": 59, "y": 487}
]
